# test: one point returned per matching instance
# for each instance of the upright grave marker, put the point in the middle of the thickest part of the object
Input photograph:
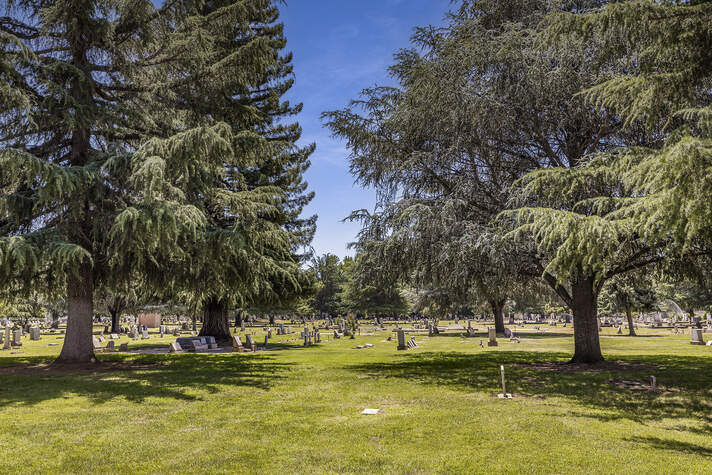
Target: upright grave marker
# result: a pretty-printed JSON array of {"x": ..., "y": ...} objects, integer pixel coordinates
[
  {"x": 401, "y": 340},
  {"x": 492, "y": 332}
]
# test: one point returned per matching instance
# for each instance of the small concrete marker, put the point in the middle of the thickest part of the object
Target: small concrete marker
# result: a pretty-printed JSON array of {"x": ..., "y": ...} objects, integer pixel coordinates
[
  {"x": 504, "y": 394},
  {"x": 371, "y": 412}
]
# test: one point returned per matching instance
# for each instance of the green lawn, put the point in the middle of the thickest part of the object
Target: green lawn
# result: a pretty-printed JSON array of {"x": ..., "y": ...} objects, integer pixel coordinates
[{"x": 299, "y": 410}]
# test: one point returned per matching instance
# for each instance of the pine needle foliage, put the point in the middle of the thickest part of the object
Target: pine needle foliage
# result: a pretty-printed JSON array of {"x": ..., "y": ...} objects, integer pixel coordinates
[
  {"x": 111, "y": 164},
  {"x": 669, "y": 91}
]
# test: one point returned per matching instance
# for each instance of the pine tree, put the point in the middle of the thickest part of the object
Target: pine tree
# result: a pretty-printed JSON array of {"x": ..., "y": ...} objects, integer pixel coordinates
[
  {"x": 482, "y": 106},
  {"x": 96, "y": 150},
  {"x": 250, "y": 253},
  {"x": 669, "y": 94}
]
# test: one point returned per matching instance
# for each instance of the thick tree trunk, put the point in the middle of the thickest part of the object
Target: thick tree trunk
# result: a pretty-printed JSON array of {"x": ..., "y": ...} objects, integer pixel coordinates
[
  {"x": 585, "y": 309},
  {"x": 629, "y": 315},
  {"x": 238, "y": 319},
  {"x": 77, "y": 347},
  {"x": 115, "y": 316},
  {"x": 55, "y": 320},
  {"x": 215, "y": 321},
  {"x": 498, "y": 310}
]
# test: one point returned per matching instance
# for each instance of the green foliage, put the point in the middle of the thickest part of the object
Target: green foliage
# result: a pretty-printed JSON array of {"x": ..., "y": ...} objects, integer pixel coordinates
[
  {"x": 368, "y": 298},
  {"x": 669, "y": 93},
  {"x": 150, "y": 142},
  {"x": 330, "y": 277}
]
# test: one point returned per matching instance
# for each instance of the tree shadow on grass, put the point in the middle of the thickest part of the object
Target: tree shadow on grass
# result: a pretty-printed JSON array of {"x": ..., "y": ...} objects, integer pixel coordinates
[
  {"x": 674, "y": 445},
  {"x": 138, "y": 377},
  {"x": 484, "y": 335},
  {"x": 687, "y": 380}
]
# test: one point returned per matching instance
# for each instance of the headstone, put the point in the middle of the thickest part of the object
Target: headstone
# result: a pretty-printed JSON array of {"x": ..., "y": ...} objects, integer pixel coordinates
[
  {"x": 102, "y": 339},
  {"x": 492, "y": 332},
  {"x": 237, "y": 345},
  {"x": 508, "y": 333},
  {"x": 144, "y": 334},
  {"x": 34, "y": 333},
  {"x": 110, "y": 345},
  {"x": 471, "y": 332},
  {"x": 401, "y": 340},
  {"x": 95, "y": 343},
  {"x": 6, "y": 344},
  {"x": 175, "y": 347},
  {"x": 317, "y": 337},
  {"x": 17, "y": 337},
  {"x": 251, "y": 343},
  {"x": 114, "y": 336},
  {"x": 697, "y": 337}
]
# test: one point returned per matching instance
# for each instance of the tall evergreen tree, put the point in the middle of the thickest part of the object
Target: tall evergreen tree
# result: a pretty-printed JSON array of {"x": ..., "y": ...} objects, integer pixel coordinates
[
  {"x": 669, "y": 93},
  {"x": 484, "y": 105},
  {"x": 96, "y": 149},
  {"x": 251, "y": 252}
]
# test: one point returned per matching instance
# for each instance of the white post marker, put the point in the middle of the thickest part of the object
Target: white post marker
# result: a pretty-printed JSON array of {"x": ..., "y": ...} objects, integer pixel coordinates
[
  {"x": 652, "y": 383},
  {"x": 504, "y": 394}
]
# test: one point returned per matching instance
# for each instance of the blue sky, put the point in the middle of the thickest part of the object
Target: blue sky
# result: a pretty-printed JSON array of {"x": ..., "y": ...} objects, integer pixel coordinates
[{"x": 341, "y": 47}]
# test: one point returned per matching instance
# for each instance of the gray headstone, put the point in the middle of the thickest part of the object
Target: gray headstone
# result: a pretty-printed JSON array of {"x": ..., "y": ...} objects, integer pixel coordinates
[
  {"x": 697, "y": 337},
  {"x": 401, "y": 340},
  {"x": 17, "y": 337},
  {"x": 492, "y": 333},
  {"x": 6, "y": 344}
]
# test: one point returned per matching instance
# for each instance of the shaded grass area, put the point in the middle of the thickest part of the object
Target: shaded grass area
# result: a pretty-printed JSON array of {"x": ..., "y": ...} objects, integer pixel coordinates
[{"x": 298, "y": 410}]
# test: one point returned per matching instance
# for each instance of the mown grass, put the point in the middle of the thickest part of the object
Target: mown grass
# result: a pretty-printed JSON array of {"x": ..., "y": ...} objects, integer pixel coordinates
[{"x": 299, "y": 410}]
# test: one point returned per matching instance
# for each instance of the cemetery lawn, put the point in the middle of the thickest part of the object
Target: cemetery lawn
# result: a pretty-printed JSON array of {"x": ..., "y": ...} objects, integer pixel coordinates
[{"x": 299, "y": 410}]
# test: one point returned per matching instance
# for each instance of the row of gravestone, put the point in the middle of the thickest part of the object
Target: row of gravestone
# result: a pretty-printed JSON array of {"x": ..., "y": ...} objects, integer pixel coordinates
[
  {"x": 12, "y": 338},
  {"x": 110, "y": 346},
  {"x": 196, "y": 344}
]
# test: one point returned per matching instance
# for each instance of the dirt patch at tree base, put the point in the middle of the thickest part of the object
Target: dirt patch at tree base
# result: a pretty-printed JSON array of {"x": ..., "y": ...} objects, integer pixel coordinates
[
  {"x": 587, "y": 368},
  {"x": 641, "y": 386}
]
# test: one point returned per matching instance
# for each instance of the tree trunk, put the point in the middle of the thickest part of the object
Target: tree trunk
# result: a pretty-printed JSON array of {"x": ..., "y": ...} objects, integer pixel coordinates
[
  {"x": 498, "y": 310},
  {"x": 215, "y": 321},
  {"x": 78, "y": 347},
  {"x": 238, "y": 319},
  {"x": 271, "y": 320},
  {"x": 629, "y": 315},
  {"x": 55, "y": 320},
  {"x": 585, "y": 309},
  {"x": 115, "y": 316}
]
